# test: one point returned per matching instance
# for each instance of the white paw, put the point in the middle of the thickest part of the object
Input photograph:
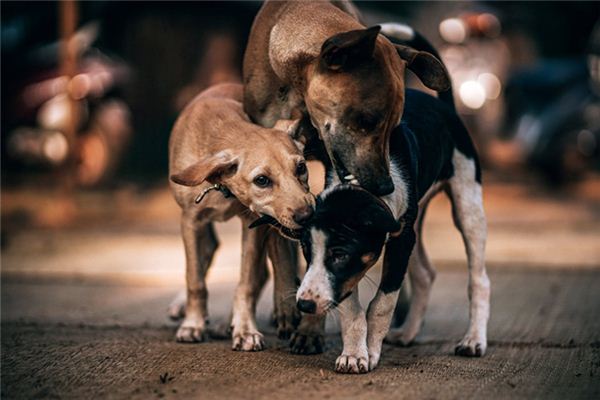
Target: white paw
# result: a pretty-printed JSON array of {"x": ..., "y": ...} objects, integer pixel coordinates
[
  {"x": 471, "y": 346},
  {"x": 176, "y": 309},
  {"x": 349, "y": 364},
  {"x": 373, "y": 361},
  {"x": 191, "y": 331},
  {"x": 400, "y": 337},
  {"x": 248, "y": 341}
]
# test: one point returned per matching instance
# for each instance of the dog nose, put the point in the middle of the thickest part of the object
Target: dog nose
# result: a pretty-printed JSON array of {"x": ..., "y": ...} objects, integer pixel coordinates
[
  {"x": 307, "y": 306},
  {"x": 385, "y": 187},
  {"x": 302, "y": 215}
]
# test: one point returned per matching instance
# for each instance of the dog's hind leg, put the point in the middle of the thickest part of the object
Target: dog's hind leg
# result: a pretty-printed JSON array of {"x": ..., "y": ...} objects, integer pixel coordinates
[
  {"x": 469, "y": 217},
  {"x": 283, "y": 255},
  {"x": 200, "y": 243},
  {"x": 245, "y": 334},
  {"x": 421, "y": 274}
]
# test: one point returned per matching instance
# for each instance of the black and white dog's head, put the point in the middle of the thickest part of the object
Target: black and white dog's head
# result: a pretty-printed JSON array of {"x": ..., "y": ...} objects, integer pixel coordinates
[{"x": 341, "y": 242}]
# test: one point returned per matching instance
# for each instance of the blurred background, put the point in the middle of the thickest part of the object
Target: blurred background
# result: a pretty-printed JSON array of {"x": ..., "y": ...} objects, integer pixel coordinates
[
  {"x": 90, "y": 232},
  {"x": 90, "y": 91}
]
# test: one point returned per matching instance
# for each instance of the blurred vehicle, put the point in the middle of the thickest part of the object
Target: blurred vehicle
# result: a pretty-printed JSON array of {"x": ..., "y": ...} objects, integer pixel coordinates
[
  {"x": 52, "y": 106},
  {"x": 553, "y": 113}
]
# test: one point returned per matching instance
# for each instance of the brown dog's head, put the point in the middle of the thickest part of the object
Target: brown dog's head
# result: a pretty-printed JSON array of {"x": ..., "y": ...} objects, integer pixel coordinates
[
  {"x": 355, "y": 98},
  {"x": 265, "y": 171}
]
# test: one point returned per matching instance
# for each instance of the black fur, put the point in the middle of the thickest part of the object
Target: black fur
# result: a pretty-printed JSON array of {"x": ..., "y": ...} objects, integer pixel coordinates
[{"x": 356, "y": 223}]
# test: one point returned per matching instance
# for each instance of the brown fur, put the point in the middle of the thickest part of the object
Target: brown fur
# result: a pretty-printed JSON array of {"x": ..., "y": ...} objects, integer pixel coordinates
[
  {"x": 288, "y": 68},
  {"x": 213, "y": 141}
]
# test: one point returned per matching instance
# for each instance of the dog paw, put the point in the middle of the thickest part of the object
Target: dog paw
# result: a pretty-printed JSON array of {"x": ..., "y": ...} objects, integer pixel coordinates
[
  {"x": 288, "y": 318},
  {"x": 307, "y": 343},
  {"x": 191, "y": 332},
  {"x": 347, "y": 364},
  {"x": 373, "y": 361},
  {"x": 471, "y": 347},
  {"x": 248, "y": 341},
  {"x": 176, "y": 311},
  {"x": 399, "y": 337}
]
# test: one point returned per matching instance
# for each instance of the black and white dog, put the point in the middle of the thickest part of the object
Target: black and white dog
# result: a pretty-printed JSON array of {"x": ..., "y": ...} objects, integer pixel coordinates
[{"x": 430, "y": 151}]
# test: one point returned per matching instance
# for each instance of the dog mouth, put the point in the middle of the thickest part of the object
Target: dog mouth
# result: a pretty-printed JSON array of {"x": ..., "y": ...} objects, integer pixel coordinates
[
  {"x": 342, "y": 172},
  {"x": 294, "y": 234}
]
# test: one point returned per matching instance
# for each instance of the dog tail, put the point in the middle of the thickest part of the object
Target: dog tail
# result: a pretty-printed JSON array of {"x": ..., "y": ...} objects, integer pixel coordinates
[{"x": 405, "y": 35}]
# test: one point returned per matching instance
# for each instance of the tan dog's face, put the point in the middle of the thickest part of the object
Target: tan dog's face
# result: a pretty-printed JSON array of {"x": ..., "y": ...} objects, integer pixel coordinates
[
  {"x": 355, "y": 98},
  {"x": 267, "y": 174},
  {"x": 272, "y": 179}
]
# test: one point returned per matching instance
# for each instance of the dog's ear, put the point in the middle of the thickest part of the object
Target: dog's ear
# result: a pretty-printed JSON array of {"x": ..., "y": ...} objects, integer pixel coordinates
[
  {"x": 376, "y": 215},
  {"x": 212, "y": 169},
  {"x": 347, "y": 49},
  {"x": 426, "y": 66}
]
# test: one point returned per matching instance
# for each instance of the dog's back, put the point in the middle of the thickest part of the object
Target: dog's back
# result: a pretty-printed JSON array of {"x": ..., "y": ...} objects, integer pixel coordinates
[{"x": 425, "y": 140}]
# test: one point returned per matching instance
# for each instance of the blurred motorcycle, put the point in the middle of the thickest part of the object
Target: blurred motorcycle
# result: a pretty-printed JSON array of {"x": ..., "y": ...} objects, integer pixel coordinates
[
  {"x": 51, "y": 104},
  {"x": 553, "y": 113}
]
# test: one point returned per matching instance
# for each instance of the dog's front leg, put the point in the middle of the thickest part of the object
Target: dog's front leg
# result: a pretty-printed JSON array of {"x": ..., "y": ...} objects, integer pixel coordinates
[
  {"x": 283, "y": 255},
  {"x": 309, "y": 338},
  {"x": 200, "y": 244},
  {"x": 381, "y": 308},
  {"x": 245, "y": 334},
  {"x": 355, "y": 357}
]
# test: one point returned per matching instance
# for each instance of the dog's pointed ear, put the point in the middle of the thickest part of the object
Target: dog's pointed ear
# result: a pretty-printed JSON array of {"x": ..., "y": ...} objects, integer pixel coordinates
[
  {"x": 426, "y": 66},
  {"x": 347, "y": 49},
  {"x": 212, "y": 169}
]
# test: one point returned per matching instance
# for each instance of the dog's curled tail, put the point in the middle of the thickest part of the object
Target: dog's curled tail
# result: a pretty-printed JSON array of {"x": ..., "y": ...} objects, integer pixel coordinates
[{"x": 405, "y": 35}]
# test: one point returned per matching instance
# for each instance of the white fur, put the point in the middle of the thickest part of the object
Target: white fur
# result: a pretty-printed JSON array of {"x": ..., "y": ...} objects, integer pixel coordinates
[
  {"x": 397, "y": 201},
  {"x": 379, "y": 317},
  {"x": 398, "y": 31},
  {"x": 469, "y": 217},
  {"x": 316, "y": 285},
  {"x": 355, "y": 356}
]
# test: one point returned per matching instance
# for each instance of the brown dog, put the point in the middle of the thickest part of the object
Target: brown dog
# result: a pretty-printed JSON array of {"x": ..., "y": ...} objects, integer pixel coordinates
[
  {"x": 316, "y": 57},
  {"x": 263, "y": 173}
]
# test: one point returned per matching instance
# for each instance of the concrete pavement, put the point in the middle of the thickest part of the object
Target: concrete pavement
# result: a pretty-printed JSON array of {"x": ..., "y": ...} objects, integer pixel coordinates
[{"x": 83, "y": 314}]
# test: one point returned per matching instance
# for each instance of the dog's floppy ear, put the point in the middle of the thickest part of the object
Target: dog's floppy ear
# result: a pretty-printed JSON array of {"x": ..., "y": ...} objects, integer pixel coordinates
[
  {"x": 347, "y": 49},
  {"x": 426, "y": 66},
  {"x": 376, "y": 215},
  {"x": 212, "y": 169}
]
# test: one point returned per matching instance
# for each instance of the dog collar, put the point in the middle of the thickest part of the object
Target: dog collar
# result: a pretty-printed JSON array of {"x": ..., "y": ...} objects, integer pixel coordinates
[{"x": 217, "y": 186}]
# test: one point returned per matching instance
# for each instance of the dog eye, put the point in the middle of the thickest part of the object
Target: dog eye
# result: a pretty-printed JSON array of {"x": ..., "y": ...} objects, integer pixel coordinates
[
  {"x": 301, "y": 169},
  {"x": 262, "y": 181},
  {"x": 366, "y": 122},
  {"x": 338, "y": 256}
]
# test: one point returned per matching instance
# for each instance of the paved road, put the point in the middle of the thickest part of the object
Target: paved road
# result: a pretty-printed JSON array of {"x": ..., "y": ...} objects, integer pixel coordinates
[
  {"x": 73, "y": 340},
  {"x": 83, "y": 316}
]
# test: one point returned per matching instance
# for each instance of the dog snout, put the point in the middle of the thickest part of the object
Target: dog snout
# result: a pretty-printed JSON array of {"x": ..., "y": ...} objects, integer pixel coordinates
[
  {"x": 385, "y": 187},
  {"x": 307, "y": 306},
  {"x": 303, "y": 214},
  {"x": 379, "y": 187}
]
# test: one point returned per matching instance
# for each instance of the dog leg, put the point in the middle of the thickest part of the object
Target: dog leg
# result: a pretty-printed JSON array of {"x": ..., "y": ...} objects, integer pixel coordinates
[
  {"x": 381, "y": 308},
  {"x": 246, "y": 336},
  {"x": 283, "y": 255},
  {"x": 421, "y": 274},
  {"x": 309, "y": 338},
  {"x": 200, "y": 243},
  {"x": 469, "y": 217},
  {"x": 176, "y": 309},
  {"x": 355, "y": 357}
]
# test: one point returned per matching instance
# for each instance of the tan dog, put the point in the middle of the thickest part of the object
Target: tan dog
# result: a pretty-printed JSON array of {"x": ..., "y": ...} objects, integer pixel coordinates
[
  {"x": 317, "y": 58},
  {"x": 213, "y": 142}
]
